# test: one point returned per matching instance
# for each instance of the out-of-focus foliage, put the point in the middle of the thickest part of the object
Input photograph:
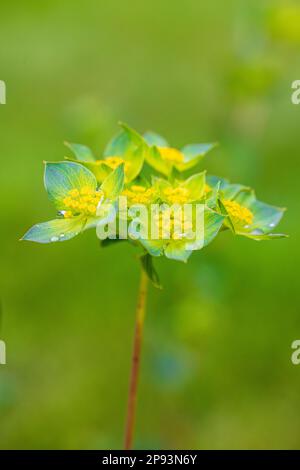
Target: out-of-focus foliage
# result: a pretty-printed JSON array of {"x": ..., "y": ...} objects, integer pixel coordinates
[{"x": 216, "y": 359}]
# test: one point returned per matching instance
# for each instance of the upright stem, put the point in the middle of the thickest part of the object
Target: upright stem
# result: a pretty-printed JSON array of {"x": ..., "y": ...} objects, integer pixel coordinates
[{"x": 136, "y": 356}]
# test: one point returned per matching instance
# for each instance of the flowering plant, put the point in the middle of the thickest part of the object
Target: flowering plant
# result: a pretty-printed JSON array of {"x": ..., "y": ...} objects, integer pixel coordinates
[{"x": 184, "y": 213}]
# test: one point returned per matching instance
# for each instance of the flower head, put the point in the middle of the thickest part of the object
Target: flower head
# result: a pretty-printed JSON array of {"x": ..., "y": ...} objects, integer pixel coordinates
[
  {"x": 77, "y": 196},
  {"x": 245, "y": 214},
  {"x": 138, "y": 194},
  {"x": 164, "y": 158},
  {"x": 186, "y": 214},
  {"x": 126, "y": 148}
]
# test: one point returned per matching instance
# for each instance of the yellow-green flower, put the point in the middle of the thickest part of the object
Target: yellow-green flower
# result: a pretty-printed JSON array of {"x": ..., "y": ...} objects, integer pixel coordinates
[
  {"x": 164, "y": 158},
  {"x": 81, "y": 188},
  {"x": 245, "y": 214},
  {"x": 177, "y": 237},
  {"x": 178, "y": 244},
  {"x": 127, "y": 148},
  {"x": 181, "y": 191},
  {"x": 77, "y": 196},
  {"x": 139, "y": 194}
]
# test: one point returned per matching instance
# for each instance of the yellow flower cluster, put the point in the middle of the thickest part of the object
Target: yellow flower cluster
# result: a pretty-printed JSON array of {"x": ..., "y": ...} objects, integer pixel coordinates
[
  {"x": 113, "y": 162},
  {"x": 172, "y": 225},
  {"x": 178, "y": 195},
  {"x": 240, "y": 215},
  {"x": 171, "y": 155},
  {"x": 137, "y": 194},
  {"x": 83, "y": 201}
]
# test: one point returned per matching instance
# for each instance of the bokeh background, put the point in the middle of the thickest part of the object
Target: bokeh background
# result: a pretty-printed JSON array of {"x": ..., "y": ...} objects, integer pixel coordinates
[{"x": 216, "y": 369}]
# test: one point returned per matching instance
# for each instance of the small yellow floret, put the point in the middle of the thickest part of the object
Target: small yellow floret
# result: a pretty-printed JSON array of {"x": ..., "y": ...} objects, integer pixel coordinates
[
  {"x": 172, "y": 225},
  {"x": 241, "y": 215},
  {"x": 114, "y": 162},
  {"x": 171, "y": 155},
  {"x": 86, "y": 191},
  {"x": 92, "y": 209},
  {"x": 83, "y": 201},
  {"x": 139, "y": 195},
  {"x": 67, "y": 201},
  {"x": 178, "y": 195},
  {"x": 138, "y": 189},
  {"x": 74, "y": 192}
]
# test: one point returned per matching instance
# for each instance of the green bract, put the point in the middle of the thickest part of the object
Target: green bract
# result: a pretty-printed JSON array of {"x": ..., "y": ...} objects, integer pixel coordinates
[
  {"x": 245, "y": 214},
  {"x": 76, "y": 194},
  {"x": 181, "y": 249},
  {"x": 164, "y": 158},
  {"x": 126, "y": 147},
  {"x": 80, "y": 188}
]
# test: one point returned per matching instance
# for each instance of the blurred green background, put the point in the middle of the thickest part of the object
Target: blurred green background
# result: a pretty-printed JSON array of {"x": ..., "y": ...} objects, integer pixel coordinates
[{"x": 216, "y": 369}]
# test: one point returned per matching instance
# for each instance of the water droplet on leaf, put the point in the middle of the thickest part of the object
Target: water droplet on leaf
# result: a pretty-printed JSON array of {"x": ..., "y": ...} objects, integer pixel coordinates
[{"x": 257, "y": 231}]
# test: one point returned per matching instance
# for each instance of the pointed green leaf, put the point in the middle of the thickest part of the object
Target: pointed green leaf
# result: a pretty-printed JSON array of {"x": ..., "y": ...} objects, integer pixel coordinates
[
  {"x": 118, "y": 145},
  {"x": 154, "y": 158},
  {"x": 212, "y": 224},
  {"x": 229, "y": 191},
  {"x": 147, "y": 265},
  {"x": 213, "y": 181},
  {"x": 122, "y": 142},
  {"x": 130, "y": 146},
  {"x": 228, "y": 221},
  {"x": 177, "y": 250},
  {"x": 155, "y": 139},
  {"x": 154, "y": 247},
  {"x": 99, "y": 169},
  {"x": 61, "y": 177},
  {"x": 195, "y": 185},
  {"x": 160, "y": 185},
  {"x": 266, "y": 217},
  {"x": 135, "y": 161},
  {"x": 81, "y": 152},
  {"x": 196, "y": 151},
  {"x": 114, "y": 183},
  {"x": 233, "y": 190},
  {"x": 264, "y": 236},
  {"x": 57, "y": 230},
  {"x": 213, "y": 197}
]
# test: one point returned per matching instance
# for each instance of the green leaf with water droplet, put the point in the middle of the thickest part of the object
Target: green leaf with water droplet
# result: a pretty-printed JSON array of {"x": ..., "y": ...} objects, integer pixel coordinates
[{"x": 57, "y": 230}]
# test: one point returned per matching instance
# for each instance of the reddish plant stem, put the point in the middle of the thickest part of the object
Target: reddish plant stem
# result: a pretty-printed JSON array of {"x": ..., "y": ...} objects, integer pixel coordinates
[{"x": 136, "y": 357}]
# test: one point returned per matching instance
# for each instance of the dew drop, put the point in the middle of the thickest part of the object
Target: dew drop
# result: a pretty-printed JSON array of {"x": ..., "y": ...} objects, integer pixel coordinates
[
  {"x": 257, "y": 232},
  {"x": 62, "y": 235},
  {"x": 54, "y": 239},
  {"x": 272, "y": 225}
]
